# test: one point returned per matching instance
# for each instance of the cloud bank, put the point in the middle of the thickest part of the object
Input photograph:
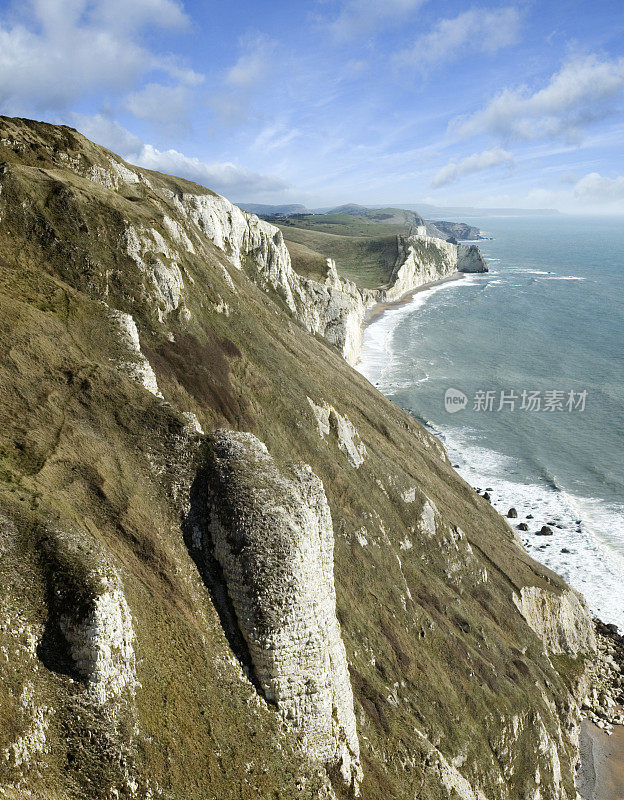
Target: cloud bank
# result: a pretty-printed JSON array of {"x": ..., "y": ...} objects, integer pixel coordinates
[
  {"x": 584, "y": 90},
  {"x": 475, "y": 31},
  {"x": 474, "y": 163}
]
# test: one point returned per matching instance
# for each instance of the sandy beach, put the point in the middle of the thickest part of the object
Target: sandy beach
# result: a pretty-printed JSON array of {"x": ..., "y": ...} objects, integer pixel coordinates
[
  {"x": 601, "y": 772},
  {"x": 379, "y": 308},
  {"x": 601, "y": 775}
]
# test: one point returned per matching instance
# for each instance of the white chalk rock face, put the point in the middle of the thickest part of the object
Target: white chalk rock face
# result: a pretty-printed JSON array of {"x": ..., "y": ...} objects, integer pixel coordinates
[
  {"x": 137, "y": 367},
  {"x": 562, "y": 621},
  {"x": 157, "y": 261},
  {"x": 427, "y": 519},
  {"x": 470, "y": 258},
  {"x": 328, "y": 420},
  {"x": 272, "y": 534},
  {"x": 101, "y": 642},
  {"x": 334, "y": 309},
  {"x": 422, "y": 259}
]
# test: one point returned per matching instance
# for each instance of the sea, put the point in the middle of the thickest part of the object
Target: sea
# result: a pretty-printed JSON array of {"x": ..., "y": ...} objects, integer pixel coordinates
[{"x": 520, "y": 373}]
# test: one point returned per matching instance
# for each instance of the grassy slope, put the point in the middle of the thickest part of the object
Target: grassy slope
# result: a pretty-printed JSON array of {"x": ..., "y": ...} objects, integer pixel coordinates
[
  {"x": 363, "y": 244},
  {"x": 366, "y": 260},
  {"x": 88, "y": 453}
]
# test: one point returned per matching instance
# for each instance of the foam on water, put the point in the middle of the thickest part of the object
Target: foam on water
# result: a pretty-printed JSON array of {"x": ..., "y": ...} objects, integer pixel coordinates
[
  {"x": 587, "y": 545},
  {"x": 378, "y": 356},
  {"x": 594, "y": 561}
]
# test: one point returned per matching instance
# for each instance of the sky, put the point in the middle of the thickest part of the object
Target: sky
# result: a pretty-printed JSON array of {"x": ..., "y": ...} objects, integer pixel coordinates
[{"x": 322, "y": 102}]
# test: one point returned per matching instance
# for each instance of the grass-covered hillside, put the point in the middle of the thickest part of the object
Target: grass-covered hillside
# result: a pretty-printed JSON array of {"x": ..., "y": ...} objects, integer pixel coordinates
[
  {"x": 362, "y": 241},
  {"x": 366, "y": 260},
  {"x": 452, "y": 689}
]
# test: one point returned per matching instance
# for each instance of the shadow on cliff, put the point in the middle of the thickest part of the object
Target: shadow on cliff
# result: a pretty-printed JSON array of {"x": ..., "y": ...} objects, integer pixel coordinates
[{"x": 198, "y": 540}]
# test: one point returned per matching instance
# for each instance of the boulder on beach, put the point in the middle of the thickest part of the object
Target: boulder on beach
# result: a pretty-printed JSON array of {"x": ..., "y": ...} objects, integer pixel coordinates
[
  {"x": 486, "y": 496},
  {"x": 545, "y": 531},
  {"x": 512, "y": 513},
  {"x": 523, "y": 526}
]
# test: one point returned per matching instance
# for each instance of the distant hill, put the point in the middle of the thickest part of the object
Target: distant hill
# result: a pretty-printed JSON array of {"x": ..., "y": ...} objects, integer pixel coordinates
[
  {"x": 349, "y": 208},
  {"x": 468, "y": 211},
  {"x": 267, "y": 210},
  {"x": 426, "y": 210}
]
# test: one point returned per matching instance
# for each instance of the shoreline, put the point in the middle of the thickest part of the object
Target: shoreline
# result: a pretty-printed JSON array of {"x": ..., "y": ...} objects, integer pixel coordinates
[
  {"x": 380, "y": 308},
  {"x": 600, "y": 774},
  {"x": 601, "y": 771}
]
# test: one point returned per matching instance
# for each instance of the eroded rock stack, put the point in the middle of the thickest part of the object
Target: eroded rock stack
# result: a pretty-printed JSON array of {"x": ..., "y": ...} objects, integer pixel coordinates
[{"x": 272, "y": 534}]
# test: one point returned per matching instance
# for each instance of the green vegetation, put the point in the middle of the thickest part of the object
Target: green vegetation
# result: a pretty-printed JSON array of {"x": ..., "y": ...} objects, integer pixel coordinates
[
  {"x": 367, "y": 261},
  {"x": 100, "y": 469},
  {"x": 362, "y": 242},
  {"x": 376, "y": 222}
]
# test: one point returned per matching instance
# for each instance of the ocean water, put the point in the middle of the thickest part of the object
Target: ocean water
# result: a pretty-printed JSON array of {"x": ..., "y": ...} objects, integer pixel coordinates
[{"x": 547, "y": 319}]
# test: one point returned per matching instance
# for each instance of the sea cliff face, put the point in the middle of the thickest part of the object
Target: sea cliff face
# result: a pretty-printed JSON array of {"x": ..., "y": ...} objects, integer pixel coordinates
[
  {"x": 272, "y": 535},
  {"x": 231, "y": 568}
]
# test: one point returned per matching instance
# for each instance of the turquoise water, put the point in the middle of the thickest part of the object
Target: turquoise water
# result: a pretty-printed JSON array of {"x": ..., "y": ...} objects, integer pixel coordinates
[{"x": 548, "y": 317}]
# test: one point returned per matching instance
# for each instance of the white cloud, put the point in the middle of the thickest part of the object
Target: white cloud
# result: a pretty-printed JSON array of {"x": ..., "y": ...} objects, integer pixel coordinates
[
  {"x": 254, "y": 65},
  {"x": 127, "y": 15},
  {"x": 474, "y": 163},
  {"x": 474, "y": 31},
  {"x": 583, "y": 91},
  {"x": 363, "y": 17},
  {"x": 594, "y": 188},
  {"x": 108, "y": 133},
  {"x": 220, "y": 176},
  {"x": 167, "y": 105},
  {"x": 66, "y": 49}
]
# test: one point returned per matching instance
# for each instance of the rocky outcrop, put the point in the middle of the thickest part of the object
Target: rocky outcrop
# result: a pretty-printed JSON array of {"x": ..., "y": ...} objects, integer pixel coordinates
[
  {"x": 101, "y": 641},
  {"x": 135, "y": 365},
  {"x": 562, "y": 620},
  {"x": 454, "y": 783},
  {"x": 330, "y": 421},
  {"x": 272, "y": 534},
  {"x": 457, "y": 230},
  {"x": 422, "y": 259},
  {"x": 470, "y": 258},
  {"x": 604, "y": 699},
  {"x": 156, "y": 259}
]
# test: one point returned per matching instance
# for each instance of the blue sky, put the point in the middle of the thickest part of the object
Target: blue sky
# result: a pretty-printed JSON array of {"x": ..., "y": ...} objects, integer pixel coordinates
[{"x": 331, "y": 101}]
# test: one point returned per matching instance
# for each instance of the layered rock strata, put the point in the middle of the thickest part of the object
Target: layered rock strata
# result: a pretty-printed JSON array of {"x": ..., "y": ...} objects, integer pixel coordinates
[
  {"x": 101, "y": 642},
  {"x": 561, "y": 620},
  {"x": 272, "y": 535}
]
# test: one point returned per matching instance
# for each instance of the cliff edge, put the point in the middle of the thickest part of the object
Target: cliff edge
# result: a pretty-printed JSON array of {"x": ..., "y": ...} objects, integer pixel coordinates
[{"x": 230, "y": 567}]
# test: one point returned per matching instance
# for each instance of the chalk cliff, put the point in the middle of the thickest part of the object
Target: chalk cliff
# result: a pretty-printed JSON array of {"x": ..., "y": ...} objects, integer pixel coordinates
[
  {"x": 561, "y": 620},
  {"x": 272, "y": 534},
  {"x": 230, "y": 567}
]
